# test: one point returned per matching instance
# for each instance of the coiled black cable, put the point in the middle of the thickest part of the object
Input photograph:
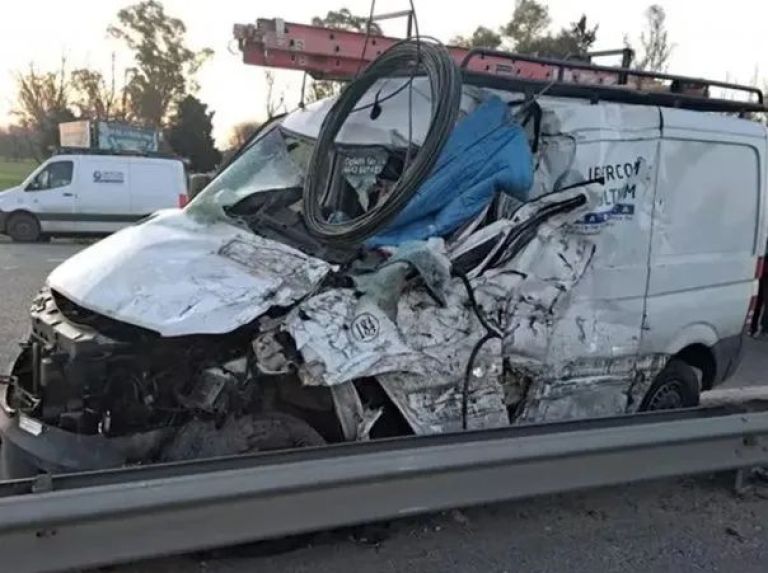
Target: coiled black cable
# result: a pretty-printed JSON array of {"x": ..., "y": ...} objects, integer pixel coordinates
[{"x": 445, "y": 83}]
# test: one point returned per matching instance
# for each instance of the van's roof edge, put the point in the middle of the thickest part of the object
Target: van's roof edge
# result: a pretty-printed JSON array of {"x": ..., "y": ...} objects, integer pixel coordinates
[
  {"x": 612, "y": 93},
  {"x": 115, "y": 153}
]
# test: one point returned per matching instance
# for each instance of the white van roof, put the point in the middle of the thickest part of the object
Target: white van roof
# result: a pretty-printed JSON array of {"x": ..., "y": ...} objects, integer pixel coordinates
[{"x": 390, "y": 125}]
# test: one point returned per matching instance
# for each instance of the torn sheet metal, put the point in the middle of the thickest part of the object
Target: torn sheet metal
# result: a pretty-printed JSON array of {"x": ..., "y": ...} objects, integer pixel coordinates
[
  {"x": 432, "y": 405},
  {"x": 419, "y": 361},
  {"x": 420, "y": 354},
  {"x": 342, "y": 337},
  {"x": 176, "y": 276},
  {"x": 591, "y": 389},
  {"x": 356, "y": 420}
]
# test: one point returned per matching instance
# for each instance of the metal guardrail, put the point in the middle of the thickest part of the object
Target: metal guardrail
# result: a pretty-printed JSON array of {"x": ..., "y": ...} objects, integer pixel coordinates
[{"x": 115, "y": 516}]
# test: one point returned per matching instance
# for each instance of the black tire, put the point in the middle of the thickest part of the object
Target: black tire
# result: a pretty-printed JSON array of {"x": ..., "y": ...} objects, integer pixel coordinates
[
  {"x": 23, "y": 228},
  {"x": 675, "y": 387},
  {"x": 243, "y": 435}
]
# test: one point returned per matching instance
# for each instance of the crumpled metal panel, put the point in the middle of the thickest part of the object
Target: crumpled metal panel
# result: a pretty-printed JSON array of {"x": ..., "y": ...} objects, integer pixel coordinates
[
  {"x": 420, "y": 355},
  {"x": 178, "y": 276},
  {"x": 591, "y": 389},
  {"x": 569, "y": 348}
]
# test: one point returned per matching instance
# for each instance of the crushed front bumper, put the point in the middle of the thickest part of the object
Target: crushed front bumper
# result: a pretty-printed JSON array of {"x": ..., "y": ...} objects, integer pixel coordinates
[{"x": 31, "y": 446}]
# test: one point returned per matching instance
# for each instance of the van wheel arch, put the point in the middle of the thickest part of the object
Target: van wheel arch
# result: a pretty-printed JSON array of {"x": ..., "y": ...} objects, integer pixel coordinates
[
  {"x": 700, "y": 357},
  {"x": 23, "y": 226}
]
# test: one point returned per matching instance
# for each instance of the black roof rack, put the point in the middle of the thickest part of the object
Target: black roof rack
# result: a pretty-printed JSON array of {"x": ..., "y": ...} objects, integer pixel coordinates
[{"x": 650, "y": 88}]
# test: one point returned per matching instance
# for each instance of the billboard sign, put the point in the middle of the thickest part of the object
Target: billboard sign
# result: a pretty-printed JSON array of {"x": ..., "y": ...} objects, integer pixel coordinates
[
  {"x": 124, "y": 137},
  {"x": 75, "y": 134}
]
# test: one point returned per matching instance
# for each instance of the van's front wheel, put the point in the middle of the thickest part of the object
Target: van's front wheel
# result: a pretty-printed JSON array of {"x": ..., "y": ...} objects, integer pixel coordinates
[
  {"x": 23, "y": 228},
  {"x": 240, "y": 435},
  {"x": 677, "y": 386}
]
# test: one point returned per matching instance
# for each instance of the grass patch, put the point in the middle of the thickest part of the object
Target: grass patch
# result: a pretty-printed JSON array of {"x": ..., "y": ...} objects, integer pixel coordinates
[{"x": 14, "y": 172}]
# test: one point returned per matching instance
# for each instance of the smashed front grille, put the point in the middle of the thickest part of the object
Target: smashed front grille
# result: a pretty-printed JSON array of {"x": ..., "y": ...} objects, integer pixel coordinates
[{"x": 100, "y": 323}]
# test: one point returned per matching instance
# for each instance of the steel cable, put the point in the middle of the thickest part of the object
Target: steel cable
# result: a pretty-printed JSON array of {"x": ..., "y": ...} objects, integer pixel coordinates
[{"x": 445, "y": 83}]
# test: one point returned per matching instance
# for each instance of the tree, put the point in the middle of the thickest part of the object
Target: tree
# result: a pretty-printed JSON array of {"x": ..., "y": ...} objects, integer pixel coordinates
[
  {"x": 482, "y": 37},
  {"x": 528, "y": 33},
  {"x": 655, "y": 43},
  {"x": 189, "y": 134},
  {"x": 344, "y": 20},
  {"x": 529, "y": 24},
  {"x": 93, "y": 97},
  {"x": 341, "y": 20},
  {"x": 574, "y": 41},
  {"x": 165, "y": 66},
  {"x": 43, "y": 101},
  {"x": 242, "y": 132}
]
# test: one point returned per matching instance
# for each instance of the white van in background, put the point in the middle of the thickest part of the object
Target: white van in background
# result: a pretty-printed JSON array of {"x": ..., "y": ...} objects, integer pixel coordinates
[{"x": 81, "y": 194}]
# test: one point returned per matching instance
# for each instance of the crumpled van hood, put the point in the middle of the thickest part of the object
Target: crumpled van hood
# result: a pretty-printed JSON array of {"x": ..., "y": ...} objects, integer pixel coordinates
[{"x": 176, "y": 276}]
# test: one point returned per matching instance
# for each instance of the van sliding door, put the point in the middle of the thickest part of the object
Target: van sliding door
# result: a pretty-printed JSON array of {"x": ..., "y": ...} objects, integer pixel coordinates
[{"x": 705, "y": 243}]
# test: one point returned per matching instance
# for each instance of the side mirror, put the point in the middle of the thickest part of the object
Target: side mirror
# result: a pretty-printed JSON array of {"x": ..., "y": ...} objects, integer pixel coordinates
[{"x": 197, "y": 183}]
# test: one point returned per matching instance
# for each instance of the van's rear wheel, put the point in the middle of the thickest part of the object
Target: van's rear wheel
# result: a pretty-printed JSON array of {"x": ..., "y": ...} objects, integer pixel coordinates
[
  {"x": 677, "y": 386},
  {"x": 23, "y": 228}
]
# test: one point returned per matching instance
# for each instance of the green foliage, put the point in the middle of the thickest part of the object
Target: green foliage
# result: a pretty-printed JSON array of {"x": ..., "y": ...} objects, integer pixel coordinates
[
  {"x": 529, "y": 24},
  {"x": 572, "y": 42},
  {"x": 344, "y": 20},
  {"x": 165, "y": 66},
  {"x": 43, "y": 103},
  {"x": 482, "y": 37},
  {"x": 189, "y": 135},
  {"x": 93, "y": 97},
  {"x": 528, "y": 33}
]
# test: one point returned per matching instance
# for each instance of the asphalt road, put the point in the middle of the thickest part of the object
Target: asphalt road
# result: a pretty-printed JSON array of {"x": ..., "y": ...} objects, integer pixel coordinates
[{"x": 692, "y": 524}]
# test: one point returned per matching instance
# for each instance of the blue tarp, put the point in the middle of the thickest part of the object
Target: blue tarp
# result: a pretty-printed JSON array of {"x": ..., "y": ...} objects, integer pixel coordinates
[{"x": 487, "y": 152}]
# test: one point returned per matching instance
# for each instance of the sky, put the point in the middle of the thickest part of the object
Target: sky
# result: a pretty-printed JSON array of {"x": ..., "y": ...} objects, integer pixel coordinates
[{"x": 713, "y": 40}]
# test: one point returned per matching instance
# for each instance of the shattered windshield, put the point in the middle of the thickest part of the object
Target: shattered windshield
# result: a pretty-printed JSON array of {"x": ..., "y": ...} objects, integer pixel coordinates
[{"x": 276, "y": 160}]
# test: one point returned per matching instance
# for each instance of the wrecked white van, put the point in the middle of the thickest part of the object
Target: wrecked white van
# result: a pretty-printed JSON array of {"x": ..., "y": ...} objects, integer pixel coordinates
[{"x": 618, "y": 280}]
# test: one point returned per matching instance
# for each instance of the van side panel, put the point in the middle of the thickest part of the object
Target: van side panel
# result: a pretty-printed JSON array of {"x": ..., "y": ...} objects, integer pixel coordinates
[
  {"x": 155, "y": 185},
  {"x": 592, "y": 355},
  {"x": 706, "y": 238},
  {"x": 103, "y": 199}
]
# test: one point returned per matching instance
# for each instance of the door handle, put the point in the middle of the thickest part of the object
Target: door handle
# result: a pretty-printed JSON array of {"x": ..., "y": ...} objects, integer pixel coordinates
[{"x": 68, "y": 194}]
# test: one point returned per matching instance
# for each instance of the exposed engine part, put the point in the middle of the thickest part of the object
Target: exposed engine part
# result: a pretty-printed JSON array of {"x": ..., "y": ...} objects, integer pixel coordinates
[
  {"x": 270, "y": 353},
  {"x": 356, "y": 420},
  {"x": 82, "y": 380}
]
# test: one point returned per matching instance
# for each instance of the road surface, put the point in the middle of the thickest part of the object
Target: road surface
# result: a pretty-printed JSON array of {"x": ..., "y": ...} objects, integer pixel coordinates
[{"x": 672, "y": 525}]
